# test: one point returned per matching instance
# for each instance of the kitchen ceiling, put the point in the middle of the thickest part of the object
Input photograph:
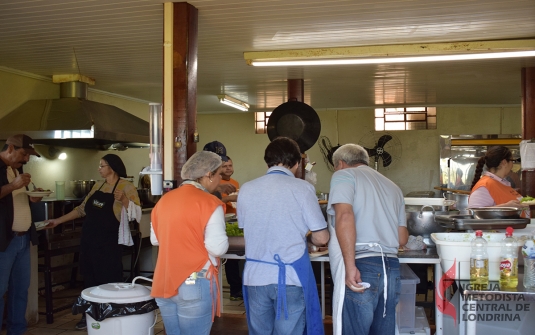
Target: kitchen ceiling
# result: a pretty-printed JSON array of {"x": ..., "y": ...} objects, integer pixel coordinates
[{"x": 119, "y": 44}]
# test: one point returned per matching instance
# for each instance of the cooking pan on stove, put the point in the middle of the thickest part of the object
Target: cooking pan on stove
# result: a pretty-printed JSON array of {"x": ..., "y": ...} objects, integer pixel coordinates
[{"x": 296, "y": 120}]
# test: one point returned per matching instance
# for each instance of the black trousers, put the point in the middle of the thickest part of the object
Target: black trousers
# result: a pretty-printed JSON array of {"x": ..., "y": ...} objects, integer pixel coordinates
[{"x": 232, "y": 271}]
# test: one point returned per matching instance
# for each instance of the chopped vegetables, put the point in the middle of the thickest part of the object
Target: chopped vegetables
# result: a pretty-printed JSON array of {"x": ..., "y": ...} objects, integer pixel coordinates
[
  {"x": 234, "y": 230},
  {"x": 527, "y": 199}
]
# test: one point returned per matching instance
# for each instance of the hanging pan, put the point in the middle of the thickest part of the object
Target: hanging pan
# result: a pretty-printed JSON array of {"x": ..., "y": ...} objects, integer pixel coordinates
[{"x": 296, "y": 120}]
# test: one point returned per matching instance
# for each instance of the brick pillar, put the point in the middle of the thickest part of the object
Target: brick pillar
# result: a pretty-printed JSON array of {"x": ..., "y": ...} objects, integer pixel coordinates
[
  {"x": 528, "y": 125},
  {"x": 296, "y": 92},
  {"x": 185, "y": 22}
]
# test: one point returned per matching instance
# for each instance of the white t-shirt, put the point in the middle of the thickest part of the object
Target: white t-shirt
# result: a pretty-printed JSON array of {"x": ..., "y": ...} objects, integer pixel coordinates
[{"x": 22, "y": 218}]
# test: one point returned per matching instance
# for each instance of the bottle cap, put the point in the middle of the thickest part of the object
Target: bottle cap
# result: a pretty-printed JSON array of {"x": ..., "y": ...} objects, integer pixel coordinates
[
  {"x": 479, "y": 233},
  {"x": 509, "y": 231}
]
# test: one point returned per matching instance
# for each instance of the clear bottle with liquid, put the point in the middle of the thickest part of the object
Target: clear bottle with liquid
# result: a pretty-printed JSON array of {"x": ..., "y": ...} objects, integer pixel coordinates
[
  {"x": 479, "y": 263},
  {"x": 528, "y": 251},
  {"x": 509, "y": 261}
]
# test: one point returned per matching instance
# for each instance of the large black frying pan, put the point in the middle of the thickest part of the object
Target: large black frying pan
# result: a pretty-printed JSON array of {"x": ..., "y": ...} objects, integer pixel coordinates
[{"x": 296, "y": 120}]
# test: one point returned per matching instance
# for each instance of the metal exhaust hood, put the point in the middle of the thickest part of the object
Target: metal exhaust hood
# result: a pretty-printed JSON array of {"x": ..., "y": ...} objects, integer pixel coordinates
[{"x": 73, "y": 121}]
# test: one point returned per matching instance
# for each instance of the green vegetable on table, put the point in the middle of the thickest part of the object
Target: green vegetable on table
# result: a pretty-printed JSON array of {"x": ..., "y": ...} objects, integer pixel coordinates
[
  {"x": 527, "y": 198},
  {"x": 234, "y": 230}
]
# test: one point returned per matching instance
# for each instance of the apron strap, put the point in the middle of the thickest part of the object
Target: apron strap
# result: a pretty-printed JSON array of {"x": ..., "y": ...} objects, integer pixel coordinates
[
  {"x": 385, "y": 279},
  {"x": 281, "y": 284},
  {"x": 114, "y": 186}
]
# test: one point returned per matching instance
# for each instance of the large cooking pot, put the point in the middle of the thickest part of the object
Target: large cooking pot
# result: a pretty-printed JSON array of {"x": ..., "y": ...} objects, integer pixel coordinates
[
  {"x": 148, "y": 200},
  {"x": 81, "y": 188},
  {"x": 423, "y": 223},
  {"x": 296, "y": 120}
]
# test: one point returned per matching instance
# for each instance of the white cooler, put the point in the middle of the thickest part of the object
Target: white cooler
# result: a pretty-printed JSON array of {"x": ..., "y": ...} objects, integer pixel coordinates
[{"x": 120, "y": 293}]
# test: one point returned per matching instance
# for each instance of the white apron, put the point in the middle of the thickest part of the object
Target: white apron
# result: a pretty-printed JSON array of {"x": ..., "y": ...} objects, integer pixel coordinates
[{"x": 338, "y": 274}]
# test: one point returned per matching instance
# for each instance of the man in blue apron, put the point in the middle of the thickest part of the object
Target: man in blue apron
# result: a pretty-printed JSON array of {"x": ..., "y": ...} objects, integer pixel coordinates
[{"x": 276, "y": 212}]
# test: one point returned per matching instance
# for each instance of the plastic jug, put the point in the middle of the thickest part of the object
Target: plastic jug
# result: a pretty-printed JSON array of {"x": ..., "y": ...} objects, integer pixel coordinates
[{"x": 60, "y": 190}]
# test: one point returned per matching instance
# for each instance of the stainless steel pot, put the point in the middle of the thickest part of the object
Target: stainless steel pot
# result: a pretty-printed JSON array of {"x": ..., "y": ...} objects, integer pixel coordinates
[
  {"x": 147, "y": 199},
  {"x": 423, "y": 223},
  {"x": 461, "y": 200},
  {"x": 81, "y": 188}
]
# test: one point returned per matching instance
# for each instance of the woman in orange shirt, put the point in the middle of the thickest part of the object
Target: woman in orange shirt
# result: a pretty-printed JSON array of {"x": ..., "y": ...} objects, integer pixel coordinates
[
  {"x": 189, "y": 226},
  {"x": 491, "y": 188}
]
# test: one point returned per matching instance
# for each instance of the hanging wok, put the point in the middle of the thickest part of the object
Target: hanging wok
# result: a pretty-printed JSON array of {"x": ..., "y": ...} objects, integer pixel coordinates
[{"x": 296, "y": 120}]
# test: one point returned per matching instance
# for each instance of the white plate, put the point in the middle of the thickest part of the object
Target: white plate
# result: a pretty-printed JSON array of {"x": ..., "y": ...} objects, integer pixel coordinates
[
  {"x": 39, "y": 194},
  {"x": 40, "y": 225},
  {"x": 230, "y": 216},
  {"x": 531, "y": 202}
]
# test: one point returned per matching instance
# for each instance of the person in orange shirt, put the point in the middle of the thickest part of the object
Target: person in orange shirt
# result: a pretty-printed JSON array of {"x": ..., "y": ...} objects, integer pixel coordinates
[
  {"x": 232, "y": 266},
  {"x": 491, "y": 188},
  {"x": 227, "y": 171}
]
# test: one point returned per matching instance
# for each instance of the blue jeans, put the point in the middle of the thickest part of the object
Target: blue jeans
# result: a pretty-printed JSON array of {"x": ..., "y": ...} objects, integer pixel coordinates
[
  {"x": 190, "y": 311},
  {"x": 363, "y": 312},
  {"x": 15, "y": 279},
  {"x": 263, "y": 309}
]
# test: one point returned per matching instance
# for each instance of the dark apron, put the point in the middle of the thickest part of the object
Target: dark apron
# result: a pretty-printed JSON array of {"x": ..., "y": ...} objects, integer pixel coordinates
[
  {"x": 100, "y": 252},
  {"x": 303, "y": 269}
]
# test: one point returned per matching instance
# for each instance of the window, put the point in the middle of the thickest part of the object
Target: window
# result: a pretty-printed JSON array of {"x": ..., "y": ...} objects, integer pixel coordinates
[
  {"x": 405, "y": 118},
  {"x": 261, "y": 121}
]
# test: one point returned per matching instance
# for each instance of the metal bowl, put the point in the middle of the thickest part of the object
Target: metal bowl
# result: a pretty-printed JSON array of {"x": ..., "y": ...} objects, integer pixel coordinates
[
  {"x": 81, "y": 188},
  {"x": 495, "y": 212},
  {"x": 147, "y": 199}
]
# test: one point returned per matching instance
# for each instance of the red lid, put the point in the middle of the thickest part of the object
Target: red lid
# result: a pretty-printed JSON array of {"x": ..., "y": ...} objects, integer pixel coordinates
[
  {"x": 479, "y": 233},
  {"x": 509, "y": 231}
]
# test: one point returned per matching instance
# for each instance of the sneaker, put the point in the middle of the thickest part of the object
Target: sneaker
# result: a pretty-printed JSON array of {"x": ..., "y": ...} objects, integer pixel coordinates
[
  {"x": 236, "y": 297},
  {"x": 82, "y": 324}
]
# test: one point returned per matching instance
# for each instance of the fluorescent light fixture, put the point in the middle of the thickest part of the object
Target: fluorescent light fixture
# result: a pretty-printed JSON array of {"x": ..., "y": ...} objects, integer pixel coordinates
[
  {"x": 232, "y": 102},
  {"x": 384, "y": 54}
]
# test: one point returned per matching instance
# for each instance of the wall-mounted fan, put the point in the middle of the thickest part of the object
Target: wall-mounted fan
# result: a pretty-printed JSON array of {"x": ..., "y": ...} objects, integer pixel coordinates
[
  {"x": 327, "y": 151},
  {"x": 381, "y": 145}
]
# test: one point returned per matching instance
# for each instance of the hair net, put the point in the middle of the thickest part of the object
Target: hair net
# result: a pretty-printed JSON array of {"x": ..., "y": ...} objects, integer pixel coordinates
[{"x": 199, "y": 164}]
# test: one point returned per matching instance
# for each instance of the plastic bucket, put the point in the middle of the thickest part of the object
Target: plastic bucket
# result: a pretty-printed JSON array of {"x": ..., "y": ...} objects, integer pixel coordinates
[
  {"x": 121, "y": 295},
  {"x": 124, "y": 325}
]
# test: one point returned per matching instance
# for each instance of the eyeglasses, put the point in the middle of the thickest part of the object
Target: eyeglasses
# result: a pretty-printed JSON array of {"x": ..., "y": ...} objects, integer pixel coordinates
[{"x": 101, "y": 166}]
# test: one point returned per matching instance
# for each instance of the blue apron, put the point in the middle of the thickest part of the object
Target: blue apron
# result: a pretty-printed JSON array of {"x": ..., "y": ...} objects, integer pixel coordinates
[{"x": 303, "y": 269}]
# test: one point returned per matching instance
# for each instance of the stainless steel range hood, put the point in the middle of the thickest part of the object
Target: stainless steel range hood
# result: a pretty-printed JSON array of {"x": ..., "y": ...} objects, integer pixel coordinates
[{"x": 73, "y": 121}]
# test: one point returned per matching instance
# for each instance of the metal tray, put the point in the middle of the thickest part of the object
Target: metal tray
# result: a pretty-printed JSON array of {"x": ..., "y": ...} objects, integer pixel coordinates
[{"x": 467, "y": 222}]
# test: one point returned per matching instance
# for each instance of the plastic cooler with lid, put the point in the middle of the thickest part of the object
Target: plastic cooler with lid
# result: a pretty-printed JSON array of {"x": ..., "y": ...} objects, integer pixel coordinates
[
  {"x": 118, "y": 309},
  {"x": 407, "y": 299}
]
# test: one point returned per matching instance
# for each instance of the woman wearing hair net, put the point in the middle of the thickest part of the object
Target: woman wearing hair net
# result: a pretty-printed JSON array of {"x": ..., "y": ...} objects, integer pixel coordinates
[{"x": 188, "y": 224}]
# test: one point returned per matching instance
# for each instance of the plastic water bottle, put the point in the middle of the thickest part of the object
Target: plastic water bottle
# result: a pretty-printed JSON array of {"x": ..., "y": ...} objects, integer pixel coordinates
[
  {"x": 479, "y": 263},
  {"x": 509, "y": 261},
  {"x": 528, "y": 251}
]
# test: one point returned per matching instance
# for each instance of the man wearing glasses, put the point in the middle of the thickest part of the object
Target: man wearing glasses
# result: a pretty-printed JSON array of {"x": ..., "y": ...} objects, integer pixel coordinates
[{"x": 16, "y": 230}]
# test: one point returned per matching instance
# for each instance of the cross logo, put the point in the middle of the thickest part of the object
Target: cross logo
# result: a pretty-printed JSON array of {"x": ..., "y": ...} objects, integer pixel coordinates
[{"x": 444, "y": 305}]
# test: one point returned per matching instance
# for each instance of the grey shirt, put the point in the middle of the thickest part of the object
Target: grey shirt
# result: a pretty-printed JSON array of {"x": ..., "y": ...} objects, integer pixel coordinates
[
  {"x": 276, "y": 211},
  {"x": 378, "y": 206}
]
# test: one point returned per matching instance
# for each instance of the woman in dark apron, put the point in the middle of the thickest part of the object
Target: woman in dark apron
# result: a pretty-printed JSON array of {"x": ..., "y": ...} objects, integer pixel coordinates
[{"x": 100, "y": 252}]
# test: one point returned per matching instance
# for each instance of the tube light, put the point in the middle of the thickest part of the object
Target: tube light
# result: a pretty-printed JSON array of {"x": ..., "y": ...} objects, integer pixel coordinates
[
  {"x": 399, "y": 53},
  {"x": 232, "y": 102},
  {"x": 416, "y": 59}
]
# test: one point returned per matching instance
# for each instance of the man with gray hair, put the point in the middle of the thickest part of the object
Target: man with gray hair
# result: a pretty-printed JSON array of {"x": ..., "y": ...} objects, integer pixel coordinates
[{"x": 367, "y": 224}]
